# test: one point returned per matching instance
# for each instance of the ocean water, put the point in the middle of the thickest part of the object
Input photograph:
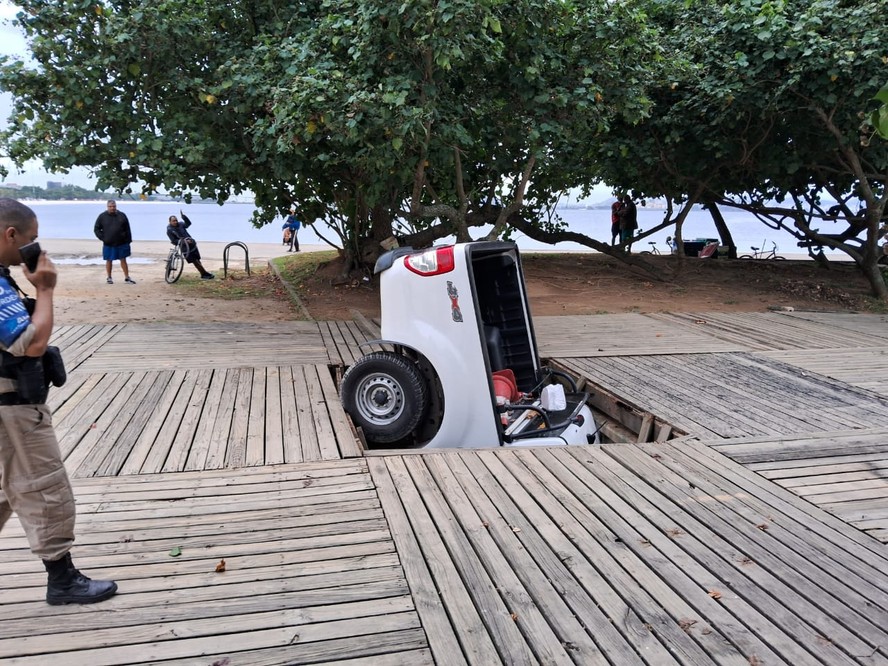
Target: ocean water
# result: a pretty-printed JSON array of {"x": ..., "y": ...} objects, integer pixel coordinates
[{"x": 232, "y": 222}]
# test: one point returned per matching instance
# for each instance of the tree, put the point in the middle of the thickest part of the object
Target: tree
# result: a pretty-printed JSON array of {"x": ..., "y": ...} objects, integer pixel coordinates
[
  {"x": 421, "y": 118},
  {"x": 767, "y": 112}
]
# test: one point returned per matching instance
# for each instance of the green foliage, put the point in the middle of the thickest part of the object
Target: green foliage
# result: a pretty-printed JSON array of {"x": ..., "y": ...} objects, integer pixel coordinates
[
  {"x": 359, "y": 111},
  {"x": 753, "y": 81},
  {"x": 767, "y": 109},
  {"x": 879, "y": 118}
]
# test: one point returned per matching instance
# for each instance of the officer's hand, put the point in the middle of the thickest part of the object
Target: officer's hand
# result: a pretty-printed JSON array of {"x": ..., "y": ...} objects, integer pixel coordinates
[{"x": 45, "y": 276}]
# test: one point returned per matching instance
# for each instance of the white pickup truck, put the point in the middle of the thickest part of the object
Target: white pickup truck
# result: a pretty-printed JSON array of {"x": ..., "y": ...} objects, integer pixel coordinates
[{"x": 464, "y": 371}]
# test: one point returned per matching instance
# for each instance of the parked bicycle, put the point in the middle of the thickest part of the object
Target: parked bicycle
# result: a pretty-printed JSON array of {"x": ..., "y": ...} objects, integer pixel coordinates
[
  {"x": 175, "y": 262},
  {"x": 655, "y": 250},
  {"x": 761, "y": 254}
]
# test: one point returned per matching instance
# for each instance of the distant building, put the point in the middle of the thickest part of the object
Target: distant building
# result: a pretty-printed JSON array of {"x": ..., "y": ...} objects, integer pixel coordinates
[
  {"x": 54, "y": 184},
  {"x": 10, "y": 186}
]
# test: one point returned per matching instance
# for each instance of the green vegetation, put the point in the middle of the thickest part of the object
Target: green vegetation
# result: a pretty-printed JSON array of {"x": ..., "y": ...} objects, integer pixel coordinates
[
  {"x": 424, "y": 120},
  {"x": 295, "y": 269},
  {"x": 64, "y": 193},
  {"x": 261, "y": 283}
]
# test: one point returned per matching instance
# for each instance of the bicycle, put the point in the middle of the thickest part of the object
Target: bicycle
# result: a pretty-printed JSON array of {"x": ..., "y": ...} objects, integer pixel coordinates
[
  {"x": 655, "y": 250},
  {"x": 175, "y": 262},
  {"x": 761, "y": 254}
]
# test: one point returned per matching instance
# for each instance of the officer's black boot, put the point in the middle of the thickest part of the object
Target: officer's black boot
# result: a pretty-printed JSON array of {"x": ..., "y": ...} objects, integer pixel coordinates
[{"x": 67, "y": 585}]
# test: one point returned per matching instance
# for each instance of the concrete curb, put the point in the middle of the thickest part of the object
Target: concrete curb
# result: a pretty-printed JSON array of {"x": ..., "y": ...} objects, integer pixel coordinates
[{"x": 292, "y": 292}]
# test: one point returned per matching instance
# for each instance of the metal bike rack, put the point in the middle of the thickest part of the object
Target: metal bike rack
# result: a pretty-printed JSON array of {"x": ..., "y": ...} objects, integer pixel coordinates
[{"x": 225, "y": 257}]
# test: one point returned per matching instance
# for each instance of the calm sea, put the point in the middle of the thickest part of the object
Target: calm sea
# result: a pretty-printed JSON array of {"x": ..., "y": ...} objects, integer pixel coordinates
[{"x": 231, "y": 222}]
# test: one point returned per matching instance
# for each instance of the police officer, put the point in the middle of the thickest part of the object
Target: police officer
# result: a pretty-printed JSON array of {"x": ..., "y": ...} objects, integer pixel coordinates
[{"x": 33, "y": 481}]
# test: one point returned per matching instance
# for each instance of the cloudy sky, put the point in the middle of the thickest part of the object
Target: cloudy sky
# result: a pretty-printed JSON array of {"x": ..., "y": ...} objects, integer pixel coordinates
[{"x": 13, "y": 43}]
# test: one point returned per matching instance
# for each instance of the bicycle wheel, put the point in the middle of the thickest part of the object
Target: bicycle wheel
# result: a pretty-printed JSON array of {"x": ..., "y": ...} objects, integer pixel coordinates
[
  {"x": 746, "y": 256},
  {"x": 175, "y": 264},
  {"x": 777, "y": 257}
]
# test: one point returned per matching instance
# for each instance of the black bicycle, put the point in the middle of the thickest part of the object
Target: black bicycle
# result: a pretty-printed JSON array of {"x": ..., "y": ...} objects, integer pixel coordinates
[{"x": 175, "y": 262}]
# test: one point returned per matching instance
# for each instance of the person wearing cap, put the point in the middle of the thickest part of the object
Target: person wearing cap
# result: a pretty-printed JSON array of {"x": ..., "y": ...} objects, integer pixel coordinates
[{"x": 292, "y": 225}]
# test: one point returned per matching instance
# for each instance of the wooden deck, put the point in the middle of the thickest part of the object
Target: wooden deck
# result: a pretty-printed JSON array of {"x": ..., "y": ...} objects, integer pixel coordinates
[
  {"x": 732, "y": 394},
  {"x": 148, "y": 398},
  {"x": 169, "y": 421},
  {"x": 619, "y": 554},
  {"x": 621, "y": 335},
  {"x": 311, "y": 573},
  {"x": 777, "y": 330},
  {"x": 201, "y": 346},
  {"x": 844, "y": 473},
  {"x": 757, "y": 539}
]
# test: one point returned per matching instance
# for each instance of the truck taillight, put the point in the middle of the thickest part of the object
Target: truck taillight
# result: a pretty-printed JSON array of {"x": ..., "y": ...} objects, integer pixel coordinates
[{"x": 431, "y": 262}]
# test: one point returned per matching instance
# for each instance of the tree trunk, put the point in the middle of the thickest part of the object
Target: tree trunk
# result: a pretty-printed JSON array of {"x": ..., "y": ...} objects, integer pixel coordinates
[
  {"x": 873, "y": 274},
  {"x": 723, "y": 232}
]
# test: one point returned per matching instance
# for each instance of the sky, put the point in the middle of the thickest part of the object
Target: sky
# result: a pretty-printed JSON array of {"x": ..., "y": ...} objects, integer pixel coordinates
[{"x": 12, "y": 42}]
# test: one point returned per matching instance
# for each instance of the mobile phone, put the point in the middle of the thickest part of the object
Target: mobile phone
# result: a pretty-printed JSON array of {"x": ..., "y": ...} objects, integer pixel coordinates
[{"x": 30, "y": 254}]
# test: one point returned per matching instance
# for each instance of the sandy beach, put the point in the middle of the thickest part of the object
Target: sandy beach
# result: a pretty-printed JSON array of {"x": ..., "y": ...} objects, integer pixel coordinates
[
  {"x": 83, "y": 296},
  {"x": 563, "y": 283}
]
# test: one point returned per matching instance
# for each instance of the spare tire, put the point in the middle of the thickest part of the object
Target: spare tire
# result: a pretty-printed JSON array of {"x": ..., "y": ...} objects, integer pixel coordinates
[{"x": 385, "y": 395}]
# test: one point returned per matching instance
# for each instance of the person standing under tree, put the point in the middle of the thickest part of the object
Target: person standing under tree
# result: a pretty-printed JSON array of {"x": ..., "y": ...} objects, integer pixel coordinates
[
  {"x": 628, "y": 222},
  {"x": 292, "y": 225},
  {"x": 177, "y": 231},
  {"x": 113, "y": 229},
  {"x": 615, "y": 220},
  {"x": 33, "y": 481}
]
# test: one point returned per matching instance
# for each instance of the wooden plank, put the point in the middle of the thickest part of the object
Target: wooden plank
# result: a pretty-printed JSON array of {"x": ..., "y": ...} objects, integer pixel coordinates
[
  {"x": 327, "y": 447},
  {"x": 442, "y": 638},
  {"x": 65, "y": 402},
  {"x": 479, "y": 641},
  {"x": 794, "y": 552},
  {"x": 550, "y": 584},
  {"x": 346, "y": 439},
  {"x": 344, "y": 342},
  {"x": 186, "y": 429},
  {"x": 71, "y": 429},
  {"x": 273, "y": 439},
  {"x": 622, "y": 334},
  {"x": 334, "y": 353},
  {"x": 209, "y": 345},
  {"x": 672, "y": 586},
  {"x": 138, "y": 458},
  {"x": 173, "y": 444},
  {"x": 647, "y": 424},
  {"x": 260, "y": 416},
  {"x": 868, "y": 324},
  {"x": 145, "y": 408},
  {"x": 159, "y": 641},
  {"x": 393, "y": 648},
  {"x": 291, "y": 418},
  {"x": 505, "y": 602},
  {"x": 222, "y": 424},
  {"x": 305, "y": 386},
  {"x": 307, "y": 549},
  {"x": 768, "y": 330},
  {"x": 112, "y": 419},
  {"x": 209, "y": 406},
  {"x": 782, "y": 617},
  {"x": 236, "y": 453}
]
